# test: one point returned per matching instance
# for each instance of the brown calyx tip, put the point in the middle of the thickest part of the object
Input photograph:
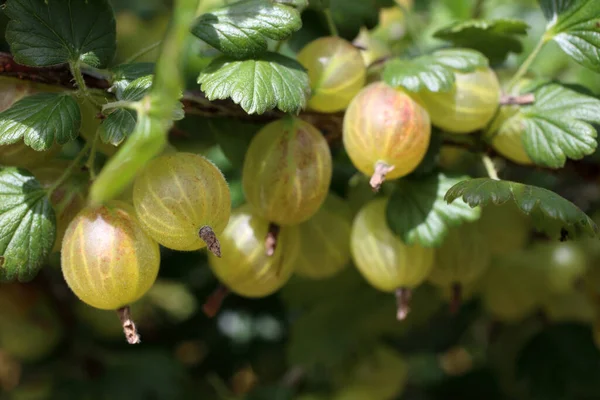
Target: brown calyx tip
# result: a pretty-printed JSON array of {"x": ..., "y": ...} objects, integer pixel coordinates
[
  {"x": 455, "y": 298},
  {"x": 381, "y": 170},
  {"x": 131, "y": 333},
  {"x": 271, "y": 239},
  {"x": 213, "y": 304},
  {"x": 403, "y": 296},
  {"x": 210, "y": 238}
]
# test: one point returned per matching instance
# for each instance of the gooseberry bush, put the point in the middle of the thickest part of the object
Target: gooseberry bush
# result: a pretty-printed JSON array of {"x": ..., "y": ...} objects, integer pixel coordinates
[{"x": 300, "y": 199}]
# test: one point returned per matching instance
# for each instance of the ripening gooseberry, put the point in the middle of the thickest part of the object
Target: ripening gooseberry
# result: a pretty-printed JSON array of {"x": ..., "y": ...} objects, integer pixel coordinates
[
  {"x": 20, "y": 155},
  {"x": 513, "y": 286},
  {"x": 336, "y": 71},
  {"x": 108, "y": 260},
  {"x": 461, "y": 260},
  {"x": 383, "y": 372},
  {"x": 287, "y": 171},
  {"x": 182, "y": 201},
  {"x": 505, "y": 228},
  {"x": 382, "y": 258},
  {"x": 507, "y": 130},
  {"x": 245, "y": 268},
  {"x": 386, "y": 133},
  {"x": 68, "y": 199},
  {"x": 570, "y": 306},
  {"x": 562, "y": 264},
  {"x": 325, "y": 240},
  {"x": 30, "y": 327},
  {"x": 469, "y": 106}
]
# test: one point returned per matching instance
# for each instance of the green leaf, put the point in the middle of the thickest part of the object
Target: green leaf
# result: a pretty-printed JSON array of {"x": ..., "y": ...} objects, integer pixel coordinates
[
  {"x": 153, "y": 124},
  {"x": 418, "y": 213},
  {"x": 27, "y": 225},
  {"x": 493, "y": 38},
  {"x": 41, "y": 119},
  {"x": 124, "y": 74},
  {"x": 549, "y": 212},
  {"x": 433, "y": 72},
  {"x": 257, "y": 85},
  {"x": 574, "y": 26},
  {"x": 350, "y": 15},
  {"x": 137, "y": 89},
  {"x": 242, "y": 29},
  {"x": 557, "y": 126},
  {"x": 43, "y": 33},
  {"x": 117, "y": 126}
]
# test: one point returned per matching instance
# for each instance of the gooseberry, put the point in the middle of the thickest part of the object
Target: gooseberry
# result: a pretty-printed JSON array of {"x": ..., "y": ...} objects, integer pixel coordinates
[
  {"x": 245, "y": 268},
  {"x": 182, "y": 201},
  {"x": 572, "y": 306},
  {"x": 469, "y": 106},
  {"x": 386, "y": 133},
  {"x": 383, "y": 259},
  {"x": 30, "y": 327},
  {"x": 325, "y": 240},
  {"x": 68, "y": 199},
  {"x": 505, "y": 228},
  {"x": 513, "y": 286},
  {"x": 108, "y": 260},
  {"x": 562, "y": 264},
  {"x": 336, "y": 71},
  {"x": 461, "y": 260},
  {"x": 507, "y": 131},
  {"x": 287, "y": 171}
]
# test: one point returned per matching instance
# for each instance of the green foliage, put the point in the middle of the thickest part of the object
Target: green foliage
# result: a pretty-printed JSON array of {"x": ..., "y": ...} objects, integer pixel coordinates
[
  {"x": 549, "y": 212},
  {"x": 495, "y": 39},
  {"x": 60, "y": 31},
  {"x": 123, "y": 75},
  {"x": 243, "y": 29},
  {"x": 558, "y": 125},
  {"x": 573, "y": 25},
  {"x": 433, "y": 72},
  {"x": 153, "y": 122},
  {"x": 418, "y": 213},
  {"x": 275, "y": 81},
  {"x": 27, "y": 225},
  {"x": 41, "y": 120},
  {"x": 117, "y": 126}
]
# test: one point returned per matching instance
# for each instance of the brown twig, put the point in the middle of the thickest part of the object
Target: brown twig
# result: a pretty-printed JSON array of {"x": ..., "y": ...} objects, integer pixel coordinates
[
  {"x": 455, "y": 298},
  {"x": 403, "y": 296},
  {"x": 521, "y": 100},
  {"x": 271, "y": 239},
  {"x": 129, "y": 328},
  {"x": 213, "y": 304}
]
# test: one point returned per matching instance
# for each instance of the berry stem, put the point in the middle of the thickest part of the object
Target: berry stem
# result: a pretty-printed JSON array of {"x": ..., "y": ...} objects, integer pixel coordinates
[
  {"x": 69, "y": 169},
  {"x": 527, "y": 63},
  {"x": 330, "y": 23},
  {"x": 489, "y": 167},
  {"x": 212, "y": 243},
  {"x": 271, "y": 239},
  {"x": 381, "y": 170},
  {"x": 142, "y": 52},
  {"x": 214, "y": 302},
  {"x": 403, "y": 296},
  {"x": 129, "y": 328},
  {"x": 456, "y": 298}
]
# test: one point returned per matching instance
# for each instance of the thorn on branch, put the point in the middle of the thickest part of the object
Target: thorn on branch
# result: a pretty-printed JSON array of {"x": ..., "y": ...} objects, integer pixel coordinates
[
  {"x": 129, "y": 328},
  {"x": 521, "y": 100}
]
